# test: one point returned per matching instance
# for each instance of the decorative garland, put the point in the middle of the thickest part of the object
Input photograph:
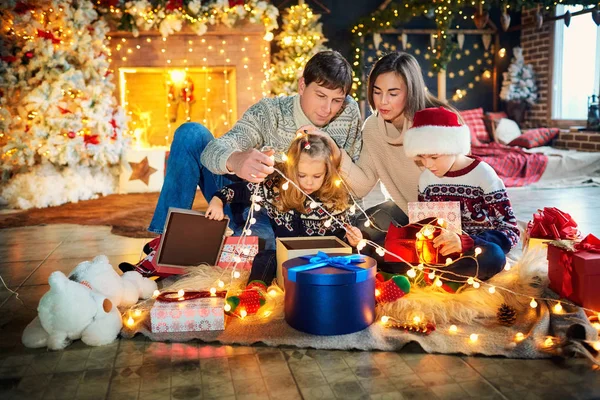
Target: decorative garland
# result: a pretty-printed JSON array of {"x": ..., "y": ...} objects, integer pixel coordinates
[
  {"x": 168, "y": 16},
  {"x": 446, "y": 14}
]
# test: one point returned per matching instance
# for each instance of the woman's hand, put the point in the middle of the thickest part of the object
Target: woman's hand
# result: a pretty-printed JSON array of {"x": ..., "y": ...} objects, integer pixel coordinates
[
  {"x": 336, "y": 153},
  {"x": 354, "y": 235},
  {"x": 448, "y": 242},
  {"x": 215, "y": 209}
]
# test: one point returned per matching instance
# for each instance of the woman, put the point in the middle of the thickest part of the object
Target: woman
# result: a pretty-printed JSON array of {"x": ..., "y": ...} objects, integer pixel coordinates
[{"x": 395, "y": 91}]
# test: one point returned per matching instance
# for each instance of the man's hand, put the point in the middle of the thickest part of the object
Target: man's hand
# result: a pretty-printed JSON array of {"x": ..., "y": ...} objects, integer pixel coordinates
[
  {"x": 251, "y": 165},
  {"x": 448, "y": 242},
  {"x": 215, "y": 209},
  {"x": 335, "y": 150},
  {"x": 354, "y": 235}
]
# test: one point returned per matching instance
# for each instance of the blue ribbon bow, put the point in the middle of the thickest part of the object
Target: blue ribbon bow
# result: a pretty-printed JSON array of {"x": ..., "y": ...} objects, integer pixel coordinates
[{"x": 323, "y": 260}]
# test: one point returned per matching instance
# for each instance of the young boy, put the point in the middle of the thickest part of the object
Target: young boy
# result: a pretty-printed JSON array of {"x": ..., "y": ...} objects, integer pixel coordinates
[{"x": 442, "y": 145}]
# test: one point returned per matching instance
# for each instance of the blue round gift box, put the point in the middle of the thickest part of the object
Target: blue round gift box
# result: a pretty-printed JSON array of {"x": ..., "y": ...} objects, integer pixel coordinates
[{"x": 329, "y": 300}]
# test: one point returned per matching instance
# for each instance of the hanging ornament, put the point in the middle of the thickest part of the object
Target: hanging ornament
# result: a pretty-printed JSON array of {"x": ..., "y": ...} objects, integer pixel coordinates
[
  {"x": 487, "y": 40},
  {"x": 404, "y": 38},
  {"x": 505, "y": 19},
  {"x": 481, "y": 18},
  {"x": 567, "y": 18},
  {"x": 460, "y": 38},
  {"x": 506, "y": 315},
  {"x": 596, "y": 15},
  {"x": 432, "y": 40},
  {"x": 539, "y": 17},
  {"x": 71, "y": 135},
  {"x": 376, "y": 40}
]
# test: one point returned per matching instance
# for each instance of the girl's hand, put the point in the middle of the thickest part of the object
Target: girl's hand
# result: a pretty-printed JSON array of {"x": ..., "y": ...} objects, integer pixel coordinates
[
  {"x": 215, "y": 209},
  {"x": 336, "y": 154},
  {"x": 354, "y": 235},
  {"x": 448, "y": 242}
]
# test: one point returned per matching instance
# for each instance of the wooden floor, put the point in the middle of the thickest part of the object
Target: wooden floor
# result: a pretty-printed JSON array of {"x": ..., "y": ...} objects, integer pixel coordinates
[{"x": 138, "y": 369}]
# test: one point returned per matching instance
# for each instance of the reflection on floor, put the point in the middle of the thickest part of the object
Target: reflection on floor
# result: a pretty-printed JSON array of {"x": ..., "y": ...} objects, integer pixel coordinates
[{"x": 132, "y": 369}]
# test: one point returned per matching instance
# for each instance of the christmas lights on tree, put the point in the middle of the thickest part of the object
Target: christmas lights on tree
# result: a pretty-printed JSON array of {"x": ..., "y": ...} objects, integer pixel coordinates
[{"x": 301, "y": 38}]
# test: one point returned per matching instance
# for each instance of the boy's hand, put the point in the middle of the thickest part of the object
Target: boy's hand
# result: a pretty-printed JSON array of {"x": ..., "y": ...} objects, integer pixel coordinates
[
  {"x": 336, "y": 154},
  {"x": 448, "y": 242},
  {"x": 354, "y": 235},
  {"x": 215, "y": 209}
]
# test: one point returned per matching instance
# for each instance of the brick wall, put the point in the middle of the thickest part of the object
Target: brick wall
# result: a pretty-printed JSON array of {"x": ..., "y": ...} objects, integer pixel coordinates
[
  {"x": 537, "y": 47},
  {"x": 244, "y": 46},
  {"x": 583, "y": 141}
]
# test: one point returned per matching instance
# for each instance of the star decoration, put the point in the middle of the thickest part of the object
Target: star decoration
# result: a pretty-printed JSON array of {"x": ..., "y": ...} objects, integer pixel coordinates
[{"x": 141, "y": 171}]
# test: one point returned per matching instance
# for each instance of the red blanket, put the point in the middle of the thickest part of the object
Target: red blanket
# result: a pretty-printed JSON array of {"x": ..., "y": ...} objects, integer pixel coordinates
[{"x": 514, "y": 166}]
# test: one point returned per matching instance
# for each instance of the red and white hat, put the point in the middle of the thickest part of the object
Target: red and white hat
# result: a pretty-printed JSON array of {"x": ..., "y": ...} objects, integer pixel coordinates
[{"x": 436, "y": 131}]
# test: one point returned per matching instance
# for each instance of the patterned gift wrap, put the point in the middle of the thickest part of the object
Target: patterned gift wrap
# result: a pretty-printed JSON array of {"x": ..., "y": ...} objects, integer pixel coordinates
[{"x": 195, "y": 315}]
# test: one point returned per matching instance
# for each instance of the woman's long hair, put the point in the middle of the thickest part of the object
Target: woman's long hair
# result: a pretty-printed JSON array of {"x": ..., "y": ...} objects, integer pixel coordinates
[
  {"x": 332, "y": 194},
  {"x": 417, "y": 96}
]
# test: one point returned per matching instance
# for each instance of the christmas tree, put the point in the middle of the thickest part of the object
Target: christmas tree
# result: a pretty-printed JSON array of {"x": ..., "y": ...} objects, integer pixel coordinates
[
  {"x": 301, "y": 38},
  {"x": 518, "y": 82},
  {"x": 62, "y": 129}
]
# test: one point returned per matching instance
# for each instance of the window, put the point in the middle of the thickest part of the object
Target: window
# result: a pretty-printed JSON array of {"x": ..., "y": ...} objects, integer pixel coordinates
[{"x": 576, "y": 65}]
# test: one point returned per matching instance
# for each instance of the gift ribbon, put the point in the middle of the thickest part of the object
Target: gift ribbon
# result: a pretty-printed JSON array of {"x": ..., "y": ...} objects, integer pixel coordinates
[
  {"x": 566, "y": 264},
  {"x": 591, "y": 243},
  {"x": 551, "y": 223},
  {"x": 323, "y": 260}
]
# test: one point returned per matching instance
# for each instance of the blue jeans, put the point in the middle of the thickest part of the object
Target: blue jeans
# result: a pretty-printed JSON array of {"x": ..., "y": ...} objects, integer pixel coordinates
[{"x": 185, "y": 173}]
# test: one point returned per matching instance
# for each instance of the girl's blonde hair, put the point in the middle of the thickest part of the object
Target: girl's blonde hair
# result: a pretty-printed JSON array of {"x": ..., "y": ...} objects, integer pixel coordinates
[
  {"x": 332, "y": 194},
  {"x": 417, "y": 97}
]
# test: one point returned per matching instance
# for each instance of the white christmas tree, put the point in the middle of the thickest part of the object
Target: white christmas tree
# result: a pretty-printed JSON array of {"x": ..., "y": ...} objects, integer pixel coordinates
[
  {"x": 62, "y": 130},
  {"x": 518, "y": 82},
  {"x": 301, "y": 37}
]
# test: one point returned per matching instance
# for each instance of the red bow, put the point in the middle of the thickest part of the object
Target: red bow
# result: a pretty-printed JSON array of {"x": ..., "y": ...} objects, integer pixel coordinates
[
  {"x": 91, "y": 139},
  {"x": 591, "y": 243},
  {"x": 551, "y": 223},
  {"x": 174, "y": 5},
  {"x": 48, "y": 35},
  {"x": 233, "y": 3}
]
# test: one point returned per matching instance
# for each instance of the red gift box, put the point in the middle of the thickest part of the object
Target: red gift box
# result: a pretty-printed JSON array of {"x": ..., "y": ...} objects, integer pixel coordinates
[
  {"x": 403, "y": 241},
  {"x": 233, "y": 246},
  {"x": 576, "y": 275}
]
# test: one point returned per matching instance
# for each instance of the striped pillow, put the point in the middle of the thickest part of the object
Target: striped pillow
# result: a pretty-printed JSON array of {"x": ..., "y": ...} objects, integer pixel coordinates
[
  {"x": 535, "y": 137},
  {"x": 474, "y": 120}
]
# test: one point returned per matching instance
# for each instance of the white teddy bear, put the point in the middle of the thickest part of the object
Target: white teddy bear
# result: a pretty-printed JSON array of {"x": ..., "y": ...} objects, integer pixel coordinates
[
  {"x": 84, "y": 305},
  {"x": 71, "y": 311}
]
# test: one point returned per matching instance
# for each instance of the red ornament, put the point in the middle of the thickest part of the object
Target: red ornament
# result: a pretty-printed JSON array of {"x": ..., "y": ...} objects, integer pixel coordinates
[
  {"x": 8, "y": 59},
  {"x": 64, "y": 110},
  {"x": 233, "y": 3},
  {"x": 48, "y": 35},
  {"x": 91, "y": 139},
  {"x": 29, "y": 54},
  {"x": 174, "y": 5},
  {"x": 71, "y": 135}
]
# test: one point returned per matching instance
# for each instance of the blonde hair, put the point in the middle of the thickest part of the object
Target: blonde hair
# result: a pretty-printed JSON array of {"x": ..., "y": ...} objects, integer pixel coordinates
[
  {"x": 329, "y": 193},
  {"x": 417, "y": 97}
]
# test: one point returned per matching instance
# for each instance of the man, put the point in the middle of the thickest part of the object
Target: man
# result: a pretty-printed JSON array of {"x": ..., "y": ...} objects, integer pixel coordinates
[{"x": 198, "y": 159}]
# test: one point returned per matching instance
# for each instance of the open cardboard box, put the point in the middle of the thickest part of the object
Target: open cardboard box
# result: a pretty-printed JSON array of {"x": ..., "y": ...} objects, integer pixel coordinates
[{"x": 292, "y": 247}]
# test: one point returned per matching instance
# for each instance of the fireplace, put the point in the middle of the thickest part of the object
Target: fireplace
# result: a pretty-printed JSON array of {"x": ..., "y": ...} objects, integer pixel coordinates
[{"x": 210, "y": 79}]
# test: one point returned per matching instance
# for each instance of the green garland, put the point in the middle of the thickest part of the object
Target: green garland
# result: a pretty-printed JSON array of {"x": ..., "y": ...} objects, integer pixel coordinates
[{"x": 443, "y": 12}]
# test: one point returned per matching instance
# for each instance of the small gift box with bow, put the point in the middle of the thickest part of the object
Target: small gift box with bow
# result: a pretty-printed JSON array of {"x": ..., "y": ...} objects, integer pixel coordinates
[
  {"x": 202, "y": 314},
  {"x": 547, "y": 225},
  {"x": 330, "y": 294},
  {"x": 574, "y": 271}
]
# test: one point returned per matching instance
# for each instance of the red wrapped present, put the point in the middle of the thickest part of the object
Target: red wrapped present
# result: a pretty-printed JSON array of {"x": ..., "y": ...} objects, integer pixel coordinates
[
  {"x": 246, "y": 249},
  {"x": 414, "y": 243},
  {"x": 550, "y": 224},
  {"x": 575, "y": 275}
]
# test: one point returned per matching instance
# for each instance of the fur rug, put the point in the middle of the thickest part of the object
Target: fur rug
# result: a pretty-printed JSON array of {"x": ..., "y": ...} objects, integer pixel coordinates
[
  {"x": 471, "y": 310},
  {"x": 128, "y": 214}
]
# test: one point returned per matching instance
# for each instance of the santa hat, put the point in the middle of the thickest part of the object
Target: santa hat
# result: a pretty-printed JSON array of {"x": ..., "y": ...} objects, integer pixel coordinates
[{"x": 436, "y": 131}]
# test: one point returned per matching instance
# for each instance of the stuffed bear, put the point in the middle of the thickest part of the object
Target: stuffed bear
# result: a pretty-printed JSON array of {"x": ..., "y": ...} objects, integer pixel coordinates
[
  {"x": 123, "y": 291},
  {"x": 69, "y": 311}
]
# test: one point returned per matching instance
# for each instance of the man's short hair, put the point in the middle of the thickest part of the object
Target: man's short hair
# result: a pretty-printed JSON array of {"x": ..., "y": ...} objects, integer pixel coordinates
[{"x": 329, "y": 69}]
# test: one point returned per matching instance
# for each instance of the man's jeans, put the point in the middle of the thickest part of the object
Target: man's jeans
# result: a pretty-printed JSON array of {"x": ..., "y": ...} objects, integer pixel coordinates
[{"x": 185, "y": 173}]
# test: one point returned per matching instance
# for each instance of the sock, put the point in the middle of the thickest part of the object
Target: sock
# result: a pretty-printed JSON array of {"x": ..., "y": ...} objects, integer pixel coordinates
[
  {"x": 392, "y": 289},
  {"x": 251, "y": 299}
]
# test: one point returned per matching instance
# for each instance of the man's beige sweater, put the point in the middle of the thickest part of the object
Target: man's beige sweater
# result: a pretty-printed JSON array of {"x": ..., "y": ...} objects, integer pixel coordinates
[{"x": 382, "y": 159}]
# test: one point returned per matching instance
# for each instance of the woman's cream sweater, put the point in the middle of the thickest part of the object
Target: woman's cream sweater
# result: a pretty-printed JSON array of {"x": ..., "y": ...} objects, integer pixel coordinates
[{"x": 382, "y": 159}]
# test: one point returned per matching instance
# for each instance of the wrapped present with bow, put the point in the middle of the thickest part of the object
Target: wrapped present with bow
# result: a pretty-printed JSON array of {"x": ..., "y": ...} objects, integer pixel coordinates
[
  {"x": 330, "y": 294},
  {"x": 547, "y": 225},
  {"x": 574, "y": 270}
]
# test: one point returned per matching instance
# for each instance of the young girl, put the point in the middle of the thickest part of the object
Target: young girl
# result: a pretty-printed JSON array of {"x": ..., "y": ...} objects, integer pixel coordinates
[
  {"x": 442, "y": 145},
  {"x": 309, "y": 164}
]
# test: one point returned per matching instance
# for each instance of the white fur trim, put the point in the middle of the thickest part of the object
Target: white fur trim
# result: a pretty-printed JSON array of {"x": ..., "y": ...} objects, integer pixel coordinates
[{"x": 437, "y": 140}]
